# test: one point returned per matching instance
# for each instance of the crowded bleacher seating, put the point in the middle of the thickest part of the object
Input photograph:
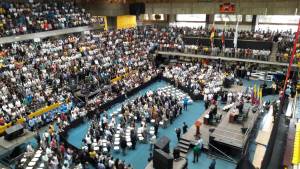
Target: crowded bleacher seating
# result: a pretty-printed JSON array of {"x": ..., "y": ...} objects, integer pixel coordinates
[{"x": 22, "y": 18}]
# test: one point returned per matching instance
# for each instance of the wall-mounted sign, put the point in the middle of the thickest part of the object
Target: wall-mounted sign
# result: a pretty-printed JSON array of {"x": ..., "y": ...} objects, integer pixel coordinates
[{"x": 227, "y": 8}]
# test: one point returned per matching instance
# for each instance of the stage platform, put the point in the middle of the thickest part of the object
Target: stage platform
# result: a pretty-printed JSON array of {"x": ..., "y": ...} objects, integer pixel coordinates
[
  {"x": 231, "y": 134},
  {"x": 177, "y": 164},
  {"x": 230, "y": 129}
]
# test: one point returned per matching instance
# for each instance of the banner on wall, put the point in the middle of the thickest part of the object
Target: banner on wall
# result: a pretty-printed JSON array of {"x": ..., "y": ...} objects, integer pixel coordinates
[{"x": 126, "y": 21}]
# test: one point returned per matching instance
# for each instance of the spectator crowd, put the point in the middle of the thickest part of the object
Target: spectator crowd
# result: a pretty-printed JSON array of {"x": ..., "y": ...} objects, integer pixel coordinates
[
  {"x": 22, "y": 18},
  {"x": 108, "y": 63}
]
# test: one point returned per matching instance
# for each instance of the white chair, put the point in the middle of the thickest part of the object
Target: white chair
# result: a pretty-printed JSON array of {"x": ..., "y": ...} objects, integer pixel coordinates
[
  {"x": 23, "y": 160},
  {"x": 116, "y": 143},
  {"x": 31, "y": 163},
  {"x": 42, "y": 165},
  {"x": 141, "y": 138},
  {"x": 96, "y": 148},
  {"x": 10, "y": 105},
  {"x": 129, "y": 144},
  {"x": 35, "y": 159},
  {"x": 116, "y": 148},
  {"x": 151, "y": 132},
  {"x": 94, "y": 144}
]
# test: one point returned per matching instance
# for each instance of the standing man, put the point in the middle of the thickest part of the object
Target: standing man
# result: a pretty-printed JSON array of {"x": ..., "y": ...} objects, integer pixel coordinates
[
  {"x": 133, "y": 139},
  {"x": 156, "y": 125},
  {"x": 178, "y": 132},
  {"x": 38, "y": 138},
  {"x": 184, "y": 128},
  {"x": 185, "y": 103},
  {"x": 196, "y": 151},
  {"x": 123, "y": 145}
]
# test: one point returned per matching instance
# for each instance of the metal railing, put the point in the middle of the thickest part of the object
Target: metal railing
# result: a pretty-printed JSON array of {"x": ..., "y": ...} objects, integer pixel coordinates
[{"x": 227, "y": 156}]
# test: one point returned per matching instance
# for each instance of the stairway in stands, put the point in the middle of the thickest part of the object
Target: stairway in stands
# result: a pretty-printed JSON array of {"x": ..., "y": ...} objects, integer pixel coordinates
[
  {"x": 274, "y": 52},
  {"x": 184, "y": 146}
]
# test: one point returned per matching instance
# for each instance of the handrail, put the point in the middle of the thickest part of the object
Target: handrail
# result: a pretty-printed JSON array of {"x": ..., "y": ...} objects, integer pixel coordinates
[
  {"x": 221, "y": 57},
  {"x": 223, "y": 153}
]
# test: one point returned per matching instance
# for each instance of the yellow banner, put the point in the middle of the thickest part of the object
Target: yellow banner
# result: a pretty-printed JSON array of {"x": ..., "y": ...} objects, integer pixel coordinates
[{"x": 30, "y": 116}]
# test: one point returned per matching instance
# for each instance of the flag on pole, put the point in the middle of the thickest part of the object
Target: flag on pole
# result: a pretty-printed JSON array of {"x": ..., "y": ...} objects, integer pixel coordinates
[
  {"x": 254, "y": 94},
  {"x": 223, "y": 37},
  {"x": 260, "y": 96},
  {"x": 257, "y": 97},
  {"x": 236, "y": 35},
  {"x": 212, "y": 35}
]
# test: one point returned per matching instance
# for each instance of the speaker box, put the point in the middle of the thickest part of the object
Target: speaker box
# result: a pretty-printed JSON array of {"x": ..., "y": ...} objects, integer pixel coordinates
[
  {"x": 162, "y": 160},
  {"x": 137, "y": 8},
  {"x": 176, "y": 153},
  {"x": 163, "y": 144}
]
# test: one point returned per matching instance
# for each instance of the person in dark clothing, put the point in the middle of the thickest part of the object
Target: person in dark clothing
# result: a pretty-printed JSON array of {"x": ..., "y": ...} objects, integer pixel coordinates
[
  {"x": 38, "y": 138},
  {"x": 123, "y": 145},
  {"x": 212, "y": 164},
  {"x": 206, "y": 104},
  {"x": 121, "y": 165},
  {"x": 171, "y": 117},
  {"x": 116, "y": 163},
  {"x": 185, "y": 103},
  {"x": 156, "y": 125},
  {"x": 184, "y": 128},
  {"x": 133, "y": 140},
  {"x": 178, "y": 132},
  {"x": 180, "y": 109},
  {"x": 150, "y": 157}
]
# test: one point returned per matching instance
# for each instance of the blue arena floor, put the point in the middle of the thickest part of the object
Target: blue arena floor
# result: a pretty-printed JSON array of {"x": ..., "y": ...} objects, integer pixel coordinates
[{"x": 138, "y": 158}]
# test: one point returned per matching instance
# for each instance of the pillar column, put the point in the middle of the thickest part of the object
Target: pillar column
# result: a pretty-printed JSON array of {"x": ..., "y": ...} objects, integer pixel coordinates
[{"x": 253, "y": 24}]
